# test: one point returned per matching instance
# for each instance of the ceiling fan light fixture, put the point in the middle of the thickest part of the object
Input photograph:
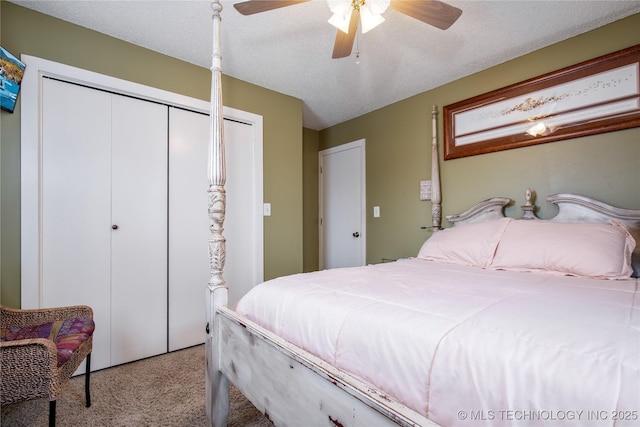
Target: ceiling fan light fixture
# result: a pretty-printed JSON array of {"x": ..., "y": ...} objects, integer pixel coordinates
[
  {"x": 368, "y": 19},
  {"x": 341, "y": 22},
  {"x": 341, "y": 10},
  {"x": 370, "y": 13}
]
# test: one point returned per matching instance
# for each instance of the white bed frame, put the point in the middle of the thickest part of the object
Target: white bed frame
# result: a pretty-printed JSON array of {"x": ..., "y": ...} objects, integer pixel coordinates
[{"x": 289, "y": 385}]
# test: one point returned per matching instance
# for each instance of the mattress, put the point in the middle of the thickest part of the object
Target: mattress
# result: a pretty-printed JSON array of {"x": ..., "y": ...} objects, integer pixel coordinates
[{"x": 467, "y": 346}]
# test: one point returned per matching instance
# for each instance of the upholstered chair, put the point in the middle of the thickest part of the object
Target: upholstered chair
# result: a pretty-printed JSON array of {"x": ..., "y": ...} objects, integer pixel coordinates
[{"x": 40, "y": 350}]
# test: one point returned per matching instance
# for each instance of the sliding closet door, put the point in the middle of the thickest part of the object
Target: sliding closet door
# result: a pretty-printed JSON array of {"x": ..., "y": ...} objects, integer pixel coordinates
[
  {"x": 139, "y": 229},
  {"x": 188, "y": 227},
  {"x": 104, "y": 216},
  {"x": 92, "y": 160},
  {"x": 189, "y": 223},
  {"x": 243, "y": 232},
  {"x": 75, "y": 206}
]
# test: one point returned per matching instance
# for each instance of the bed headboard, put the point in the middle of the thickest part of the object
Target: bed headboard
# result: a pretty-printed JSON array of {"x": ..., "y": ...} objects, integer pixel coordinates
[
  {"x": 572, "y": 208},
  {"x": 576, "y": 208}
]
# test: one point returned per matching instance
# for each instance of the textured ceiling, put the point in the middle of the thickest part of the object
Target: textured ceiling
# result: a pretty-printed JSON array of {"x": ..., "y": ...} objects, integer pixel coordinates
[{"x": 288, "y": 50}]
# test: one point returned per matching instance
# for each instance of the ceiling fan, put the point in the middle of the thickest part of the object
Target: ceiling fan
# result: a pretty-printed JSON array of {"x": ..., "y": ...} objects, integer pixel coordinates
[{"x": 348, "y": 14}]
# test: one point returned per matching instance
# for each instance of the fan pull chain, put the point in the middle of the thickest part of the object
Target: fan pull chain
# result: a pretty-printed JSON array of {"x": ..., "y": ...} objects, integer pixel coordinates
[{"x": 357, "y": 49}]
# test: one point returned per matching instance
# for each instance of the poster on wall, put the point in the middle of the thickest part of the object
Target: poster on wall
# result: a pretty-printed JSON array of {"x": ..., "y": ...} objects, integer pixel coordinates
[{"x": 11, "y": 72}]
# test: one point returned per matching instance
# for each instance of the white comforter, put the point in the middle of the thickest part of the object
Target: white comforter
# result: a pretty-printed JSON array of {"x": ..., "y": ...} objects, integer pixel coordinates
[{"x": 465, "y": 346}]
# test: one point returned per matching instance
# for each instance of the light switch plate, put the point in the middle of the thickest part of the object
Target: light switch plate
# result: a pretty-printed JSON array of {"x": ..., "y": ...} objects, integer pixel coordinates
[
  {"x": 266, "y": 209},
  {"x": 425, "y": 190},
  {"x": 376, "y": 211}
]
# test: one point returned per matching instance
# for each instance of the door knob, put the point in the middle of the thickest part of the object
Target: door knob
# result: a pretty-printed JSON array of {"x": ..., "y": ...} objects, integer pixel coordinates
[
  {"x": 356, "y": 234},
  {"x": 114, "y": 226}
]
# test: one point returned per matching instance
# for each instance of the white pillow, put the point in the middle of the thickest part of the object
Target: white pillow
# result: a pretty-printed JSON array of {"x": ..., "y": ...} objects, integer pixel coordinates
[
  {"x": 471, "y": 244},
  {"x": 592, "y": 250}
]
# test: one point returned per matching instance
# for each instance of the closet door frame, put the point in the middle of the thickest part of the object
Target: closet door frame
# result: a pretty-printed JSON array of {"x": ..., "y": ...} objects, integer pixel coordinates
[{"x": 30, "y": 205}]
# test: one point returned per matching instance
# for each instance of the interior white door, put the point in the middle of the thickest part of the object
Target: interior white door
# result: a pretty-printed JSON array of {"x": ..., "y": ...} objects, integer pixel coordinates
[
  {"x": 66, "y": 214},
  {"x": 342, "y": 206},
  {"x": 189, "y": 267},
  {"x": 188, "y": 227},
  {"x": 139, "y": 229},
  {"x": 75, "y": 207},
  {"x": 104, "y": 165},
  {"x": 243, "y": 226}
]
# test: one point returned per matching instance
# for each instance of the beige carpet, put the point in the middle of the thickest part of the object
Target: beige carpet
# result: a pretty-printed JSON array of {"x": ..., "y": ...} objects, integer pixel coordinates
[{"x": 166, "y": 390}]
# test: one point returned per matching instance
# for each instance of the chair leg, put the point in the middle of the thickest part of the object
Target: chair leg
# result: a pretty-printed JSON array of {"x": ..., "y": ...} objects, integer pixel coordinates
[
  {"x": 52, "y": 413},
  {"x": 87, "y": 390},
  {"x": 87, "y": 394}
]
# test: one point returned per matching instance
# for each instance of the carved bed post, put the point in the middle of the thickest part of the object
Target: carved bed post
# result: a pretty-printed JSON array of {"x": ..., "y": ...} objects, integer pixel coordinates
[
  {"x": 436, "y": 198},
  {"x": 217, "y": 385}
]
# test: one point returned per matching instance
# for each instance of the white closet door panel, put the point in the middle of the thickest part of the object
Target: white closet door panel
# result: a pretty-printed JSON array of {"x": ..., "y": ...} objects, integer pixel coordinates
[
  {"x": 139, "y": 244},
  {"x": 188, "y": 227},
  {"x": 189, "y": 224},
  {"x": 76, "y": 203},
  {"x": 241, "y": 228}
]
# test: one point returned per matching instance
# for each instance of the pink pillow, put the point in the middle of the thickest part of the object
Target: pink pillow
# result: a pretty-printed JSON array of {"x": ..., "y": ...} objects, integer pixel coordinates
[
  {"x": 471, "y": 244},
  {"x": 592, "y": 250}
]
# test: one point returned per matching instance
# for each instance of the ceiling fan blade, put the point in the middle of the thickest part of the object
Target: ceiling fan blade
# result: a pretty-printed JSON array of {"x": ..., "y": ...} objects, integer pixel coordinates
[
  {"x": 256, "y": 6},
  {"x": 344, "y": 42},
  {"x": 432, "y": 12}
]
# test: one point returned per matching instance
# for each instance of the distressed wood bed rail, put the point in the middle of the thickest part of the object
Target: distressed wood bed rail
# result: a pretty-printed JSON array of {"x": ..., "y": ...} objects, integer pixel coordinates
[{"x": 309, "y": 390}]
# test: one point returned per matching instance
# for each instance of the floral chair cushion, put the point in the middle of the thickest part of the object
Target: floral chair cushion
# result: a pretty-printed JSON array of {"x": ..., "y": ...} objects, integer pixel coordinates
[{"x": 67, "y": 334}]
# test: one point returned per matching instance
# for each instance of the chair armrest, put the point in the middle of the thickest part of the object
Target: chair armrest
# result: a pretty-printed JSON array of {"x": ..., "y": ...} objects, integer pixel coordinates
[
  {"x": 11, "y": 317},
  {"x": 28, "y": 369}
]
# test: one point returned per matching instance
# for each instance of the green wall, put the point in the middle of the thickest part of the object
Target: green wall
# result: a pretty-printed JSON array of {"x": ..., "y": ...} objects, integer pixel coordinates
[
  {"x": 23, "y": 31},
  {"x": 398, "y": 138},
  {"x": 605, "y": 166}
]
